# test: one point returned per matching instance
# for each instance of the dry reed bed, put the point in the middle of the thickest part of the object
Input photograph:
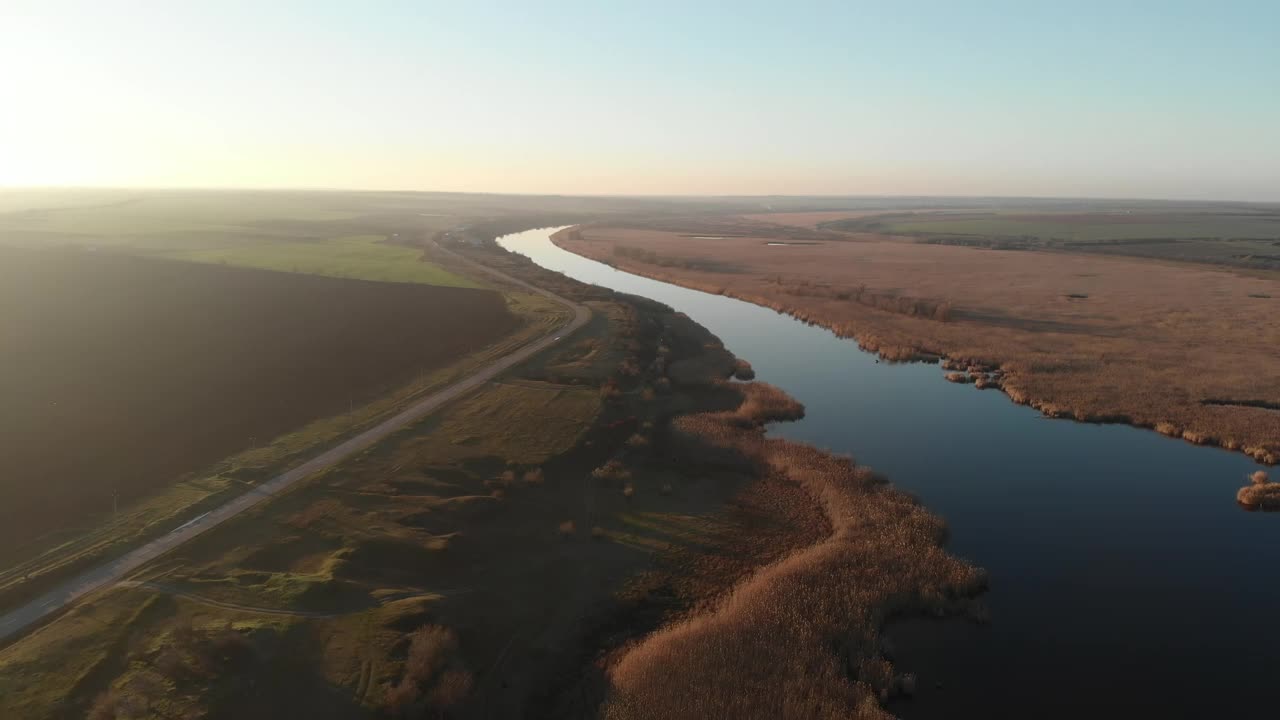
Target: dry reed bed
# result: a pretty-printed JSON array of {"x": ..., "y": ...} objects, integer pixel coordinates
[
  {"x": 1099, "y": 378},
  {"x": 1260, "y": 493},
  {"x": 798, "y": 637}
]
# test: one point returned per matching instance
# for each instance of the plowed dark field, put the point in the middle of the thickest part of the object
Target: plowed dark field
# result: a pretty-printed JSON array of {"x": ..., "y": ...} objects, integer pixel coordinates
[{"x": 123, "y": 373}]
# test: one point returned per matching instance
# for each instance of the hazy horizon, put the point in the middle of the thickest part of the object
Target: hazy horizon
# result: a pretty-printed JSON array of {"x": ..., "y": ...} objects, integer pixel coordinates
[
  {"x": 621, "y": 196},
  {"x": 1151, "y": 101}
]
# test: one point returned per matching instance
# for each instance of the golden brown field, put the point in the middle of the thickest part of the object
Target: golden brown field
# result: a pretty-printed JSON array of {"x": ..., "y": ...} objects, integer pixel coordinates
[{"x": 1186, "y": 349}]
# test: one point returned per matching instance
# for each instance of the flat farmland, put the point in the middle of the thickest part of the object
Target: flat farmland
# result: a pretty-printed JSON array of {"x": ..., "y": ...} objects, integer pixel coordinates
[
  {"x": 364, "y": 257},
  {"x": 1092, "y": 227},
  {"x": 1246, "y": 236},
  {"x": 123, "y": 373}
]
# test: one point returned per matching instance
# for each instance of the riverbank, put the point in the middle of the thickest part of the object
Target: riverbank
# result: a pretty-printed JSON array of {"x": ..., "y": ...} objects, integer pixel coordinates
[
  {"x": 1071, "y": 336},
  {"x": 812, "y": 555},
  {"x": 1058, "y": 513},
  {"x": 809, "y": 621}
]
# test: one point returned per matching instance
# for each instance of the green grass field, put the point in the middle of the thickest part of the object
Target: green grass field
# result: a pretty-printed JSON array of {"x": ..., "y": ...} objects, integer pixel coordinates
[
  {"x": 332, "y": 234},
  {"x": 362, "y": 257}
]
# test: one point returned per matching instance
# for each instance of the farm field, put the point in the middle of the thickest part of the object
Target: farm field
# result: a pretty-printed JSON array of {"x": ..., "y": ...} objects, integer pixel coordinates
[
  {"x": 435, "y": 526},
  {"x": 1091, "y": 227},
  {"x": 174, "y": 221},
  {"x": 1184, "y": 348},
  {"x": 1241, "y": 236},
  {"x": 362, "y": 257},
  {"x": 126, "y": 374}
]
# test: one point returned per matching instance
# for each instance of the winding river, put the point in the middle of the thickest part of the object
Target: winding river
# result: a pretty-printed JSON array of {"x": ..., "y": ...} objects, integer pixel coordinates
[{"x": 1125, "y": 580}]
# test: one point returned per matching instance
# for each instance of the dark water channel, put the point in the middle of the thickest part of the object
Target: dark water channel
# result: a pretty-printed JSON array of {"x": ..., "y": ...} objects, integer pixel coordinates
[{"x": 1125, "y": 580}]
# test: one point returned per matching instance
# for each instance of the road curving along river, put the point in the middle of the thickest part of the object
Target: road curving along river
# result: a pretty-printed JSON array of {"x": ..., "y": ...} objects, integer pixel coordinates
[{"x": 1125, "y": 580}]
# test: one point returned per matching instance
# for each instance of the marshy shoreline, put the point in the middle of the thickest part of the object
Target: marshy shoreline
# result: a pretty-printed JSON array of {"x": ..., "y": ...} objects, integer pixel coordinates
[
  {"x": 1017, "y": 495},
  {"x": 811, "y": 620},
  {"x": 811, "y": 556},
  {"x": 1016, "y": 379}
]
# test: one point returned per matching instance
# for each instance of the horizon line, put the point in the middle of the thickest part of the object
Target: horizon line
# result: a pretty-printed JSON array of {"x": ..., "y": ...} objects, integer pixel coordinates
[{"x": 638, "y": 196}]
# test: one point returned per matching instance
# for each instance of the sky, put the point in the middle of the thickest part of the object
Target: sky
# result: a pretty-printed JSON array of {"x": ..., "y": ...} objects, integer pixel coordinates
[{"x": 1032, "y": 98}]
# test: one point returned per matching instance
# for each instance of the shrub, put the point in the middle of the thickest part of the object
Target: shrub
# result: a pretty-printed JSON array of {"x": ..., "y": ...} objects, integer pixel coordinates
[
  {"x": 429, "y": 648},
  {"x": 612, "y": 470},
  {"x": 400, "y": 698},
  {"x": 609, "y": 392},
  {"x": 767, "y": 403},
  {"x": 452, "y": 688},
  {"x": 1260, "y": 493},
  {"x": 1196, "y": 437}
]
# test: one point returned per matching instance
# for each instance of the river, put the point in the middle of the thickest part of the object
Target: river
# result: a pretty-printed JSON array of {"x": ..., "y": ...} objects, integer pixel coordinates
[{"x": 1125, "y": 580}]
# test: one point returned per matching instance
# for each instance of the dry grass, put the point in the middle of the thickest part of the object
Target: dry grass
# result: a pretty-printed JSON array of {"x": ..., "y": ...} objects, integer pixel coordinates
[
  {"x": 612, "y": 470},
  {"x": 1152, "y": 343},
  {"x": 426, "y": 687},
  {"x": 798, "y": 637},
  {"x": 1260, "y": 493},
  {"x": 767, "y": 403}
]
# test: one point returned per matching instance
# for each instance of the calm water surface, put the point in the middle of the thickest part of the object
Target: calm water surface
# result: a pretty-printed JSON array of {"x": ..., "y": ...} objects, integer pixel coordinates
[{"x": 1125, "y": 581}]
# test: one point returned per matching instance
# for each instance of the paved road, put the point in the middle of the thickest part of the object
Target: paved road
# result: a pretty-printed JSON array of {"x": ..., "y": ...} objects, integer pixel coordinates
[{"x": 111, "y": 572}]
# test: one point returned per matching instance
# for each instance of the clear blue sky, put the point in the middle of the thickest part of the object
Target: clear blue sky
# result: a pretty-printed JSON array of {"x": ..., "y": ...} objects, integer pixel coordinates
[{"x": 1134, "y": 99}]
